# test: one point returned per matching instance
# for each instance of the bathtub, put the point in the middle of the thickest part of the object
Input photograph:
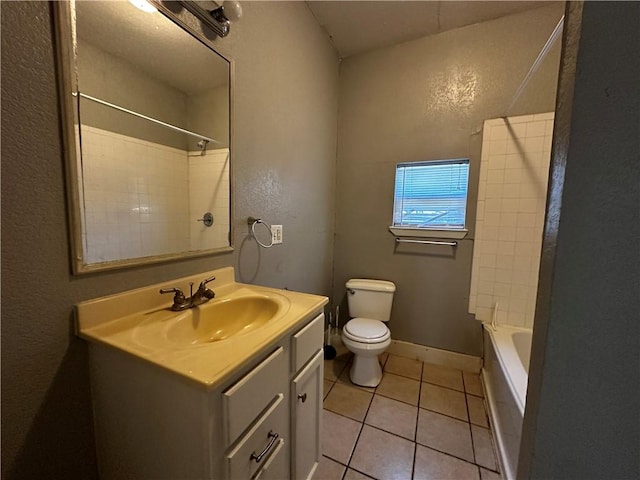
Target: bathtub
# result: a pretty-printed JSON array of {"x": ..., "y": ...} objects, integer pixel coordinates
[{"x": 504, "y": 375}]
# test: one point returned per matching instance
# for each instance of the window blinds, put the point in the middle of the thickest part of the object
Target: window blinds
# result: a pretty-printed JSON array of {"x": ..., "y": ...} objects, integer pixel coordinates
[{"x": 431, "y": 194}]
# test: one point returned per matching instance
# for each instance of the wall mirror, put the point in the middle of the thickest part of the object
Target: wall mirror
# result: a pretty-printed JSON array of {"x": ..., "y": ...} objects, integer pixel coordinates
[{"x": 147, "y": 107}]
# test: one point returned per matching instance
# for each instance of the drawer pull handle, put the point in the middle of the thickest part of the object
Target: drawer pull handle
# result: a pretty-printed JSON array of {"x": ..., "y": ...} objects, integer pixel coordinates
[
  {"x": 303, "y": 397},
  {"x": 259, "y": 456}
]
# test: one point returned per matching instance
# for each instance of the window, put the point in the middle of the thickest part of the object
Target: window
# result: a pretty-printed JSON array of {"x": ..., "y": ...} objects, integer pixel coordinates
[{"x": 431, "y": 195}]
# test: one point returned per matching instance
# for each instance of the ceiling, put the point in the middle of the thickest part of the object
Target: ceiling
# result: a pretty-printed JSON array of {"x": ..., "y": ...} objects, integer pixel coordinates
[
  {"x": 352, "y": 26},
  {"x": 359, "y": 26},
  {"x": 152, "y": 43}
]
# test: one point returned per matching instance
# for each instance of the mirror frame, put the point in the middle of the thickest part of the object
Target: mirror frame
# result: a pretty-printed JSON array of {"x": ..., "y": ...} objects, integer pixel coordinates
[{"x": 66, "y": 51}]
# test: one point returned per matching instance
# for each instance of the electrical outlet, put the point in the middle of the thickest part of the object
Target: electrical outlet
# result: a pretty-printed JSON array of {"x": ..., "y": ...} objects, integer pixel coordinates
[{"x": 276, "y": 234}]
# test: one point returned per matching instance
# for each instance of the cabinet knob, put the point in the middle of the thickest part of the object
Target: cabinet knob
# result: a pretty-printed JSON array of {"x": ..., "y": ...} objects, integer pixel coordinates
[{"x": 303, "y": 397}]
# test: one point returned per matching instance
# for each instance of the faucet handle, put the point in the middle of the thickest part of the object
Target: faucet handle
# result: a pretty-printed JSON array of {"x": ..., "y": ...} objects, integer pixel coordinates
[
  {"x": 204, "y": 291},
  {"x": 203, "y": 283},
  {"x": 178, "y": 297}
]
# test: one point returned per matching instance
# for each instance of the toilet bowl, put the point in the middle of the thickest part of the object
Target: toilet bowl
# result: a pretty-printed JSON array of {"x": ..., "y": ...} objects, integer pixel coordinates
[
  {"x": 366, "y": 339},
  {"x": 366, "y": 335}
]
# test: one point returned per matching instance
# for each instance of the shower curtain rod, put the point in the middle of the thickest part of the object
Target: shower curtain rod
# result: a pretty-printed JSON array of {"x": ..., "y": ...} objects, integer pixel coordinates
[
  {"x": 140, "y": 115},
  {"x": 543, "y": 53}
]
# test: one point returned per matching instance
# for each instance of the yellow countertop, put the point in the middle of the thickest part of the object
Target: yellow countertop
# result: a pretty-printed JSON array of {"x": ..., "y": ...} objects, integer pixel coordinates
[{"x": 137, "y": 322}]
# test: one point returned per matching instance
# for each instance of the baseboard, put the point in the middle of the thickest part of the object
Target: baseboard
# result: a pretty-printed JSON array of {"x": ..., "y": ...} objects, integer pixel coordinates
[{"x": 446, "y": 358}]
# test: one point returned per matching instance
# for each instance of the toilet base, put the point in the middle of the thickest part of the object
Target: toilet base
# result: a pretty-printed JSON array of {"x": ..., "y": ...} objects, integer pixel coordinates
[{"x": 365, "y": 371}]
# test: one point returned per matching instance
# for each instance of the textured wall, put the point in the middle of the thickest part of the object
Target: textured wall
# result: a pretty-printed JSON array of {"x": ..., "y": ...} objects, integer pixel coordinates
[
  {"x": 285, "y": 134},
  {"x": 426, "y": 100},
  {"x": 581, "y": 419}
]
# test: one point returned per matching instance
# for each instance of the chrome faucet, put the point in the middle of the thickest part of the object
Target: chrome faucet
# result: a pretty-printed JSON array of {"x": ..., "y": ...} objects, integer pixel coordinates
[{"x": 202, "y": 295}]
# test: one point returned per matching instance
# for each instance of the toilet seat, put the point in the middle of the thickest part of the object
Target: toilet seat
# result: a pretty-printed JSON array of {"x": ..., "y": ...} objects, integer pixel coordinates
[{"x": 366, "y": 330}]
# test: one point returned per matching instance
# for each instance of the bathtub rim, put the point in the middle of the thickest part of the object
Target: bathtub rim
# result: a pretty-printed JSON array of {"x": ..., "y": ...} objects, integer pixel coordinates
[{"x": 515, "y": 373}]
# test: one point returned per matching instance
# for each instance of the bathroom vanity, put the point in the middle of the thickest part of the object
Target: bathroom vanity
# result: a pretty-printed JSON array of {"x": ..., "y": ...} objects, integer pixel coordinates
[{"x": 230, "y": 389}]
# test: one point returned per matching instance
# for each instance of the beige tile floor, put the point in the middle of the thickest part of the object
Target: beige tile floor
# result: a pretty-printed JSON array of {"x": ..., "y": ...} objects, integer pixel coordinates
[{"x": 422, "y": 422}]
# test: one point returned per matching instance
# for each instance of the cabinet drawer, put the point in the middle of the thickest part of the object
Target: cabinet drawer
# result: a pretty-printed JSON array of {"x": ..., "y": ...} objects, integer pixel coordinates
[
  {"x": 261, "y": 449},
  {"x": 306, "y": 342},
  {"x": 249, "y": 396}
]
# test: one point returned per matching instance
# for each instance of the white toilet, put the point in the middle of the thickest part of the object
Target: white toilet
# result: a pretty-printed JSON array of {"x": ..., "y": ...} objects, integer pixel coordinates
[{"x": 365, "y": 334}]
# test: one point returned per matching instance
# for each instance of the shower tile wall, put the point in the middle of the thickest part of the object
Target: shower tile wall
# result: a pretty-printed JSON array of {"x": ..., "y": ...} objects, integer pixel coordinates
[
  {"x": 135, "y": 197},
  {"x": 512, "y": 193},
  {"x": 207, "y": 195}
]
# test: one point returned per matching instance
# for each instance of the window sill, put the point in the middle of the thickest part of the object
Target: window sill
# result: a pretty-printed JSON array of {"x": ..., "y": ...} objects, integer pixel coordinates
[{"x": 455, "y": 233}]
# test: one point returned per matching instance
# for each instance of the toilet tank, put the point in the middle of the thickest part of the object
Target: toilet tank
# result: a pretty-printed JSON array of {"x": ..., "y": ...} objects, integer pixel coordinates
[{"x": 370, "y": 298}]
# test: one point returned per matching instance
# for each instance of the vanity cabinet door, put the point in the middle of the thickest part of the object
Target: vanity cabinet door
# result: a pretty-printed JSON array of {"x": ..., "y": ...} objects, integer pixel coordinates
[{"x": 306, "y": 401}]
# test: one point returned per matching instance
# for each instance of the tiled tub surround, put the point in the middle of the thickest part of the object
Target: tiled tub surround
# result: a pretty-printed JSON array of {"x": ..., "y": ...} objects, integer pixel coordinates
[
  {"x": 422, "y": 422},
  {"x": 209, "y": 192},
  {"x": 138, "y": 199},
  {"x": 512, "y": 192}
]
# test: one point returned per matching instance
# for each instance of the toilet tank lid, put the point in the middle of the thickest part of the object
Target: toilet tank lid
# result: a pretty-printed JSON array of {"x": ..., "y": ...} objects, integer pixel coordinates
[{"x": 371, "y": 285}]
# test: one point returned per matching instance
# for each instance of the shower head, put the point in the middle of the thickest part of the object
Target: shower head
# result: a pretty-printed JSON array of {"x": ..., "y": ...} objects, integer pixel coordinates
[{"x": 202, "y": 145}]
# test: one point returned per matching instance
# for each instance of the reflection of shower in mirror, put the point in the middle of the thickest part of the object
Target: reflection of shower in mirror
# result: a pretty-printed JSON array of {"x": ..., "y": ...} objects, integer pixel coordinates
[
  {"x": 202, "y": 145},
  {"x": 145, "y": 169}
]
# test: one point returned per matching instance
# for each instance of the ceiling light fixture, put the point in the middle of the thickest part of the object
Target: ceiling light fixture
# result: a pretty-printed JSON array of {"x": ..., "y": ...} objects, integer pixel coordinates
[{"x": 219, "y": 18}]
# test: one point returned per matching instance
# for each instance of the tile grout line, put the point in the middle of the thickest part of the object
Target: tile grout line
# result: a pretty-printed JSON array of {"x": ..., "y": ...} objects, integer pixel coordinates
[
  {"x": 451, "y": 455},
  {"x": 333, "y": 383},
  {"x": 473, "y": 446},
  {"x": 355, "y": 445},
  {"x": 347, "y": 467},
  {"x": 415, "y": 432},
  {"x": 435, "y": 449},
  {"x": 445, "y": 415},
  {"x": 492, "y": 440},
  {"x": 485, "y": 406},
  {"x": 324, "y": 397},
  {"x": 418, "y": 408},
  {"x": 363, "y": 422},
  {"x": 404, "y": 438}
]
